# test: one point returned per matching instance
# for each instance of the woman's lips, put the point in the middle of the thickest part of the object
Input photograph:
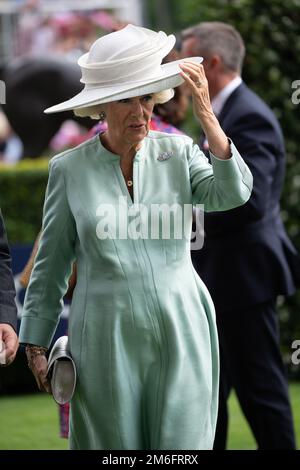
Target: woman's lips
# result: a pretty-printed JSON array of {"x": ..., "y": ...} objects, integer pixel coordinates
[{"x": 136, "y": 126}]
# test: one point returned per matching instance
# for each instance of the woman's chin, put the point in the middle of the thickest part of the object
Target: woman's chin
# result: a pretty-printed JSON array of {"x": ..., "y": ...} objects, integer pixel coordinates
[{"x": 137, "y": 135}]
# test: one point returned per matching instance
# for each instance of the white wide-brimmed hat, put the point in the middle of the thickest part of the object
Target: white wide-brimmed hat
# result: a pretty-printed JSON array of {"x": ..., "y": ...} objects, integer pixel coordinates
[{"x": 124, "y": 64}]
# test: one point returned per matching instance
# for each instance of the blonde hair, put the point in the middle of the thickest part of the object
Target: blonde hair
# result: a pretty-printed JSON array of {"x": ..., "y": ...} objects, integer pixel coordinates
[{"x": 95, "y": 111}]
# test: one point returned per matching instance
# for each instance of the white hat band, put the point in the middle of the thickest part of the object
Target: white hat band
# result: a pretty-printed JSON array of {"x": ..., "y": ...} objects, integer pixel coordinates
[
  {"x": 149, "y": 71},
  {"x": 136, "y": 67}
]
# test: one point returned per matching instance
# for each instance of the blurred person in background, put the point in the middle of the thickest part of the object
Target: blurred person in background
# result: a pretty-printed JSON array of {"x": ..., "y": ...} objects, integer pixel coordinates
[
  {"x": 29, "y": 23},
  {"x": 10, "y": 145},
  {"x": 247, "y": 259}
]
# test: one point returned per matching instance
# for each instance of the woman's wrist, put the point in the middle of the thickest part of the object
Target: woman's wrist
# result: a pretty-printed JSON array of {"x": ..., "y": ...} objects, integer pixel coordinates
[
  {"x": 32, "y": 351},
  {"x": 218, "y": 142},
  {"x": 209, "y": 122}
]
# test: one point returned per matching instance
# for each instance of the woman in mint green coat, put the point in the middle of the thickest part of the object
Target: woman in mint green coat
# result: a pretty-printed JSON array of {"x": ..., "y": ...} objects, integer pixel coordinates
[{"x": 142, "y": 328}]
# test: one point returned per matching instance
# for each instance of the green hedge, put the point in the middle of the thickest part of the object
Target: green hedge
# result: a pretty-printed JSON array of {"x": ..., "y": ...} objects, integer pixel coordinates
[{"x": 22, "y": 192}]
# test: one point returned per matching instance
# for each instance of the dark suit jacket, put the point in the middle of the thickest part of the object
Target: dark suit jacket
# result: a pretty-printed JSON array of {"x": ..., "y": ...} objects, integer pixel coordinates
[
  {"x": 8, "y": 309},
  {"x": 247, "y": 256}
]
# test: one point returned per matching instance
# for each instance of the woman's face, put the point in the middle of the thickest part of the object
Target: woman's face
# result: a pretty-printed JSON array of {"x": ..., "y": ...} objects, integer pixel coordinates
[{"x": 128, "y": 120}]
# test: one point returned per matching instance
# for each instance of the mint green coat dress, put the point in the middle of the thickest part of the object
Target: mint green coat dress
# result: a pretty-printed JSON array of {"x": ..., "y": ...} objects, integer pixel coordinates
[{"x": 142, "y": 324}]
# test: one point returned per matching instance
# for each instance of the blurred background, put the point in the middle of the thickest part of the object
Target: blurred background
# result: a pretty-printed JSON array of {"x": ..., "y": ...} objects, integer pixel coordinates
[{"x": 40, "y": 42}]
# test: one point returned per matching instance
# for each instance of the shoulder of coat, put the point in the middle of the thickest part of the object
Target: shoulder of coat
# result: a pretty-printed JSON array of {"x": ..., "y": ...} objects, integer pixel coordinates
[{"x": 73, "y": 153}]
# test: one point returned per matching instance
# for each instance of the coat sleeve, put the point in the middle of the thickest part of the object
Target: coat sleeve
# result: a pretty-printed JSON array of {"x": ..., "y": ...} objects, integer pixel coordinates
[
  {"x": 261, "y": 145},
  {"x": 53, "y": 263},
  {"x": 222, "y": 185},
  {"x": 8, "y": 309}
]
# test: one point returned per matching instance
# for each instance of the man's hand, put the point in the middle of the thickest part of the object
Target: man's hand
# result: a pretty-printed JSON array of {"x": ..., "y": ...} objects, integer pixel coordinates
[{"x": 9, "y": 344}]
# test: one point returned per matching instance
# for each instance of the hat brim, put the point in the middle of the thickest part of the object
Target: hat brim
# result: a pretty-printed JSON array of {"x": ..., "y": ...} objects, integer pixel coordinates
[{"x": 170, "y": 77}]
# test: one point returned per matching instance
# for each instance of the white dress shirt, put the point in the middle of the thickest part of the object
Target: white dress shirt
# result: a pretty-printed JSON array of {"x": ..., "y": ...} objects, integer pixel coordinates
[{"x": 219, "y": 100}]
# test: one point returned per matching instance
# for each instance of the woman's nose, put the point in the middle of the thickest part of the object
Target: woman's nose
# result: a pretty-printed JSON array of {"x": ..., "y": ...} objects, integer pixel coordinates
[{"x": 137, "y": 109}]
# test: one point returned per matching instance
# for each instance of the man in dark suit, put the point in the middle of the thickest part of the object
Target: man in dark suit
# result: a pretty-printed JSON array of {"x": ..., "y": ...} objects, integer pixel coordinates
[
  {"x": 247, "y": 259},
  {"x": 8, "y": 310}
]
